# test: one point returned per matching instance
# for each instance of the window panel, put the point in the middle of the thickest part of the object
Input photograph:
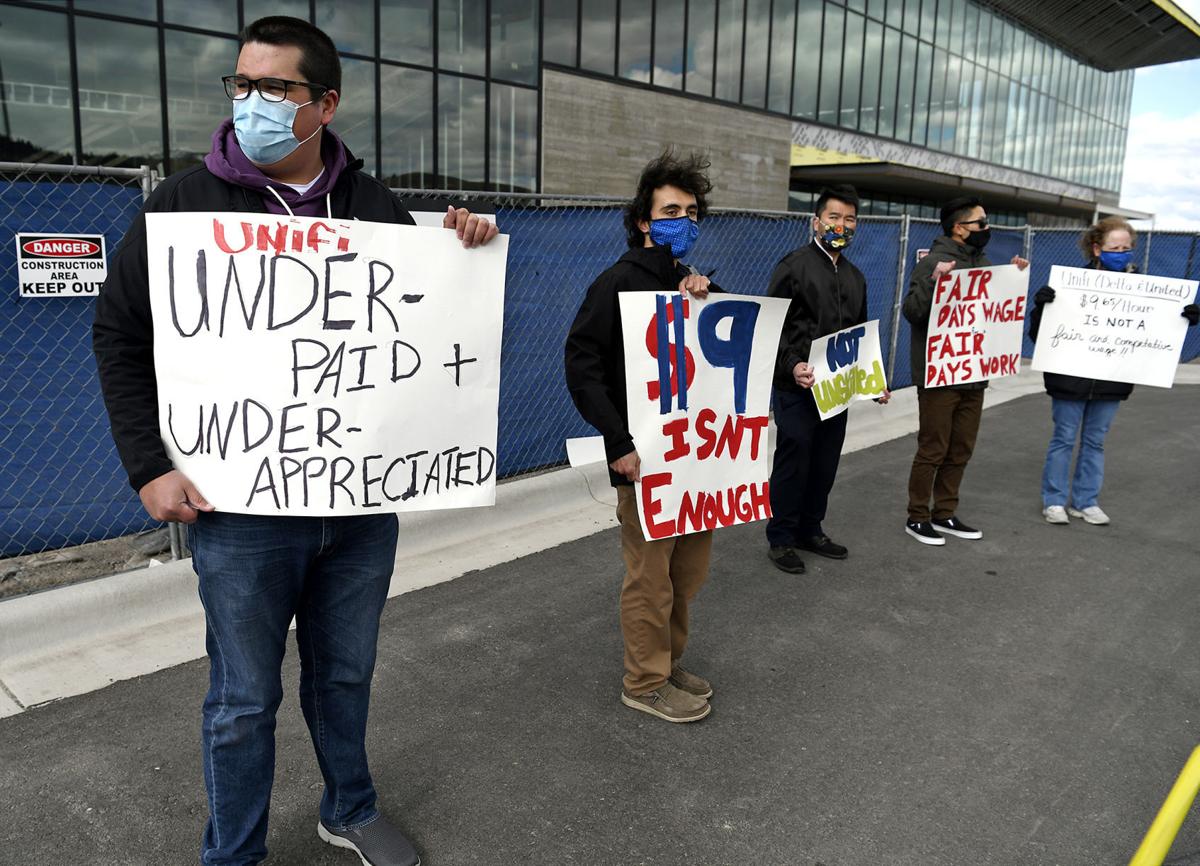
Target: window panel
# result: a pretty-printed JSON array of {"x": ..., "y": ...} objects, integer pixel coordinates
[
  {"x": 937, "y": 93},
  {"x": 119, "y": 108},
  {"x": 252, "y": 10},
  {"x": 912, "y": 16},
  {"x": 758, "y": 47},
  {"x": 852, "y": 62},
  {"x": 888, "y": 82},
  {"x": 514, "y": 139},
  {"x": 196, "y": 101},
  {"x": 895, "y": 13},
  {"x": 212, "y": 15},
  {"x": 461, "y": 129},
  {"x": 950, "y": 113},
  {"x": 958, "y": 24},
  {"x": 349, "y": 23},
  {"x": 729, "y": 50},
  {"x": 560, "y": 33},
  {"x": 668, "y": 43},
  {"x": 355, "y": 119},
  {"x": 783, "y": 37},
  {"x": 406, "y": 30},
  {"x": 598, "y": 33},
  {"x": 921, "y": 97},
  {"x": 872, "y": 55},
  {"x": 701, "y": 46},
  {"x": 831, "y": 64},
  {"x": 515, "y": 40},
  {"x": 928, "y": 20},
  {"x": 406, "y": 126},
  {"x": 904, "y": 96},
  {"x": 462, "y": 34},
  {"x": 38, "y": 121},
  {"x": 877, "y": 9},
  {"x": 633, "y": 61},
  {"x": 144, "y": 9},
  {"x": 807, "y": 66}
]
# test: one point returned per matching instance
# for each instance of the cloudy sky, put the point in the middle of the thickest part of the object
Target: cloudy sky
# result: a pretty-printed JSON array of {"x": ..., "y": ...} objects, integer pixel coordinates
[{"x": 1162, "y": 159}]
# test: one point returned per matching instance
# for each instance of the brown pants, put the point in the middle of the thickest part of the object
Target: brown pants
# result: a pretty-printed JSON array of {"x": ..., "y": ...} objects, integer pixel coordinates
[
  {"x": 945, "y": 440},
  {"x": 661, "y": 577}
]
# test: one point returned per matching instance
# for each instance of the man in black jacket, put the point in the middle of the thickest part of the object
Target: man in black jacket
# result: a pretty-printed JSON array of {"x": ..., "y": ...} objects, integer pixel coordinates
[
  {"x": 827, "y": 293},
  {"x": 661, "y": 577},
  {"x": 257, "y": 572},
  {"x": 949, "y": 416}
]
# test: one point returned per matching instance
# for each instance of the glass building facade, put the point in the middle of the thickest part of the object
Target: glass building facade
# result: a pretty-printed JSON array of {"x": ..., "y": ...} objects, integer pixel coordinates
[{"x": 444, "y": 93}]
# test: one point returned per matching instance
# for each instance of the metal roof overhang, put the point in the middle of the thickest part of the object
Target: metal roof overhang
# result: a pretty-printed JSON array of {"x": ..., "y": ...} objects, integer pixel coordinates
[
  {"x": 904, "y": 180},
  {"x": 1125, "y": 34}
]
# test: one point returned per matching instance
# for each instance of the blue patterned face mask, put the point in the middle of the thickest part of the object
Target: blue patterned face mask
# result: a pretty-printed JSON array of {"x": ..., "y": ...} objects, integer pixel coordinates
[
  {"x": 264, "y": 129},
  {"x": 1112, "y": 260},
  {"x": 834, "y": 238},
  {"x": 679, "y": 234}
]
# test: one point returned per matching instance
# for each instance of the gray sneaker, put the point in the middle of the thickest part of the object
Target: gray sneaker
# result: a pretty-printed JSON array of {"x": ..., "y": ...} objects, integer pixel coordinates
[
  {"x": 1093, "y": 514},
  {"x": 1056, "y": 514},
  {"x": 689, "y": 682},
  {"x": 379, "y": 843},
  {"x": 668, "y": 702}
]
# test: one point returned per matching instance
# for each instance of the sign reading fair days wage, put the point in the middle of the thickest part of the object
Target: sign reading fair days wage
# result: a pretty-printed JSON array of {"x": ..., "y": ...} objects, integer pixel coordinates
[{"x": 326, "y": 367}]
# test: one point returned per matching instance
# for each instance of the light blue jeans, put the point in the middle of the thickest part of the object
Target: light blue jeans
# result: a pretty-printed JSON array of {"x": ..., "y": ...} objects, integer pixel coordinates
[{"x": 1086, "y": 421}]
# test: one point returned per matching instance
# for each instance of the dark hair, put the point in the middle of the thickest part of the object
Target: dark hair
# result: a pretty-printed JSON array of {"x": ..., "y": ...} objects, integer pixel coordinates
[
  {"x": 1097, "y": 233},
  {"x": 318, "y": 57},
  {"x": 956, "y": 209},
  {"x": 844, "y": 193},
  {"x": 689, "y": 173}
]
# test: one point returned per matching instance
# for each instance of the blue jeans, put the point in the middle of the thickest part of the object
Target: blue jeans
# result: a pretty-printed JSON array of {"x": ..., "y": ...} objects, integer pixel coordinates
[
  {"x": 256, "y": 573},
  {"x": 1088, "y": 421}
]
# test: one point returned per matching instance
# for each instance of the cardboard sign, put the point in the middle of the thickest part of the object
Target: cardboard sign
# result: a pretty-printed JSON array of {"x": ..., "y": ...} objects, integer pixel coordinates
[
  {"x": 698, "y": 384},
  {"x": 847, "y": 366},
  {"x": 1114, "y": 326},
  {"x": 61, "y": 266},
  {"x": 326, "y": 367},
  {"x": 976, "y": 325}
]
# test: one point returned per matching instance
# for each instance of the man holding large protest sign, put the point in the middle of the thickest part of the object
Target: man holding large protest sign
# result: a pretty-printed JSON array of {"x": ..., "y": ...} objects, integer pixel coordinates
[
  {"x": 827, "y": 293},
  {"x": 950, "y": 414},
  {"x": 661, "y": 576},
  {"x": 277, "y": 156}
]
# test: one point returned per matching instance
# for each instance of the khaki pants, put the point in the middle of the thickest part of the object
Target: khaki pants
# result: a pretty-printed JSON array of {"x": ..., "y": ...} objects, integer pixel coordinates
[
  {"x": 945, "y": 441},
  {"x": 661, "y": 577}
]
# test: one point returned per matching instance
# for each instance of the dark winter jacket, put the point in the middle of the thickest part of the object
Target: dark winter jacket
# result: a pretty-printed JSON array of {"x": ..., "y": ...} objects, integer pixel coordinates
[
  {"x": 1063, "y": 387},
  {"x": 918, "y": 303},
  {"x": 123, "y": 331},
  {"x": 824, "y": 298},
  {"x": 594, "y": 355}
]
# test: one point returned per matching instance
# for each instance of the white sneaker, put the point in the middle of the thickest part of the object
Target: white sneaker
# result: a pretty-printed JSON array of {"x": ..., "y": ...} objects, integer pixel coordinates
[
  {"x": 1055, "y": 514},
  {"x": 1092, "y": 514}
]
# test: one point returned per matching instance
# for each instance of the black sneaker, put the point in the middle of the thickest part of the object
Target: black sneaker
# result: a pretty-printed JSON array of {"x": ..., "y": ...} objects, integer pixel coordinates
[
  {"x": 786, "y": 559},
  {"x": 923, "y": 532},
  {"x": 954, "y": 526},
  {"x": 379, "y": 843},
  {"x": 823, "y": 545}
]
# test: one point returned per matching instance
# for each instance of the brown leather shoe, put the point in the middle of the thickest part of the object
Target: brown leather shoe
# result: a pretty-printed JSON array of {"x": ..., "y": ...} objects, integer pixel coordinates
[
  {"x": 669, "y": 703},
  {"x": 689, "y": 682}
]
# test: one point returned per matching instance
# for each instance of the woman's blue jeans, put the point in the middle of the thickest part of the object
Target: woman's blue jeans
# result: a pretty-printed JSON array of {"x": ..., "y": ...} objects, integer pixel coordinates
[{"x": 1086, "y": 421}]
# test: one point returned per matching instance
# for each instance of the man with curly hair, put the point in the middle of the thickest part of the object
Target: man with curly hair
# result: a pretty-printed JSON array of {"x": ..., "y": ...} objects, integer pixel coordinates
[{"x": 661, "y": 577}]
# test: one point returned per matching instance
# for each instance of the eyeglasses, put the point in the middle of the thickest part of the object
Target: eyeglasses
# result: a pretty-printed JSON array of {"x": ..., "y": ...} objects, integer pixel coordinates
[
  {"x": 981, "y": 222},
  {"x": 238, "y": 87}
]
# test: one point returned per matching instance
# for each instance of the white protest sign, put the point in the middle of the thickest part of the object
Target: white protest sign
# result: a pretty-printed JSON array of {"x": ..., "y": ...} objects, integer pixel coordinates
[
  {"x": 1114, "y": 326},
  {"x": 976, "y": 325},
  {"x": 326, "y": 367},
  {"x": 700, "y": 427},
  {"x": 847, "y": 366},
  {"x": 60, "y": 266}
]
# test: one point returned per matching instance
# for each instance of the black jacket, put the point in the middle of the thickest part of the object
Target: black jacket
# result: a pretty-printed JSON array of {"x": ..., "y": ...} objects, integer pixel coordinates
[
  {"x": 824, "y": 298},
  {"x": 918, "y": 303},
  {"x": 594, "y": 355},
  {"x": 123, "y": 331},
  {"x": 1063, "y": 387}
]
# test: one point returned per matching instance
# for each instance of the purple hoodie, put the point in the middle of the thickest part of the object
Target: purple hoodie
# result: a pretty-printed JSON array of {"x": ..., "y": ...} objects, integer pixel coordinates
[{"x": 227, "y": 162}]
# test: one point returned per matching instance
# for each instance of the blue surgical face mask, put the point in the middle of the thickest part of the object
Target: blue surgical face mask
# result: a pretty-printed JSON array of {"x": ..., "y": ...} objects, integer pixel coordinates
[
  {"x": 264, "y": 129},
  {"x": 1115, "y": 261},
  {"x": 679, "y": 234}
]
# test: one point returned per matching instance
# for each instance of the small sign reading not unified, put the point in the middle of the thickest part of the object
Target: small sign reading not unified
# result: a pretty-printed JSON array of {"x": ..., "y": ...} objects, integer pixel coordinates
[{"x": 61, "y": 266}]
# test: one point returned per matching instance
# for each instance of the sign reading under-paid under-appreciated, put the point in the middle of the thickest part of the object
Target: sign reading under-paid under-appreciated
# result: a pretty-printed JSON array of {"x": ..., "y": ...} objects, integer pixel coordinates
[
  {"x": 1114, "y": 326},
  {"x": 847, "y": 366},
  {"x": 698, "y": 386},
  {"x": 976, "y": 325},
  {"x": 326, "y": 367},
  {"x": 60, "y": 266}
]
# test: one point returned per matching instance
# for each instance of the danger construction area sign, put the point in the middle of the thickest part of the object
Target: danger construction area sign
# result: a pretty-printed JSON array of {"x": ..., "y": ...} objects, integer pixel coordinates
[{"x": 61, "y": 266}]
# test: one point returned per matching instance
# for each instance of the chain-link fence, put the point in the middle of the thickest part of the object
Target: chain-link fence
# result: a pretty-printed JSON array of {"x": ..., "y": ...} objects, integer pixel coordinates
[{"x": 61, "y": 482}]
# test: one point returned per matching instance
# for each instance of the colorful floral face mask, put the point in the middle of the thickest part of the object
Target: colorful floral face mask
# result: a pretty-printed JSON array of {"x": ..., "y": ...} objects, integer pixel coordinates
[{"x": 834, "y": 238}]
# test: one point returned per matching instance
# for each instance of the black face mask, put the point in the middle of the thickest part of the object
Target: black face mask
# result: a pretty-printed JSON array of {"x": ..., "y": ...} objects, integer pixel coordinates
[{"x": 979, "y": 239}]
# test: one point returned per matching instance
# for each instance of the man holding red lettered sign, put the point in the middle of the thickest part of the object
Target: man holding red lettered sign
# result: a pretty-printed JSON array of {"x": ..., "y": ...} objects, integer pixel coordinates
[{"x": 966, "y": 328}]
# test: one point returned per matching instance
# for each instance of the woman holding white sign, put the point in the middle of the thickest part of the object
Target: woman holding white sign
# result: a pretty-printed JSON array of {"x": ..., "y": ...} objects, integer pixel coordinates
[{"x": 1083, "y": 409}]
